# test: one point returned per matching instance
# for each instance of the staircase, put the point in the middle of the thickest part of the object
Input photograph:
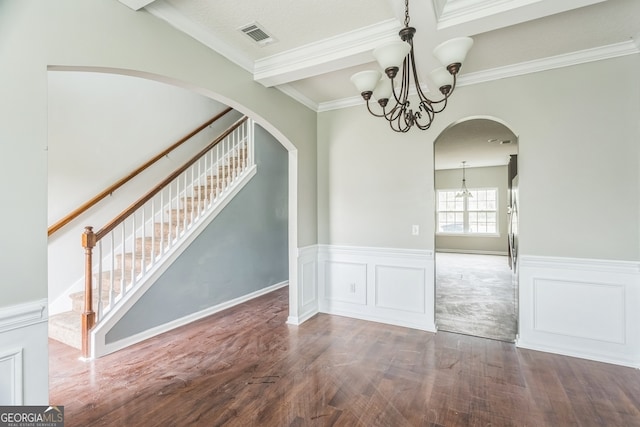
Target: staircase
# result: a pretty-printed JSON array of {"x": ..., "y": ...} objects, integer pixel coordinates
[{"x": 128, "y": 253}]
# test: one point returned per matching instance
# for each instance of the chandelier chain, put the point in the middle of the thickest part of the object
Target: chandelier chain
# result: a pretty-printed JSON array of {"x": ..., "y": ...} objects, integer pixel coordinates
[{"x": 406, "y": 13}]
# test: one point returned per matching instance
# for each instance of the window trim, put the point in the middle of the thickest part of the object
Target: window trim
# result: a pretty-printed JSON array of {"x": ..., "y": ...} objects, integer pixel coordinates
[{"x": 465, "y": 214}]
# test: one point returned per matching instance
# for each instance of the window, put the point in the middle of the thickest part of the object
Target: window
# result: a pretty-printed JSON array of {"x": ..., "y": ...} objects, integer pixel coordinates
[{"x": 468, "y": 215}]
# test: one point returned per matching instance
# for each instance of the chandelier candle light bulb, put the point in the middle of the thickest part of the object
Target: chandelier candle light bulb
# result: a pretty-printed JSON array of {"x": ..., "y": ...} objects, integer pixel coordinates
[{"x": 397, "y": 59}]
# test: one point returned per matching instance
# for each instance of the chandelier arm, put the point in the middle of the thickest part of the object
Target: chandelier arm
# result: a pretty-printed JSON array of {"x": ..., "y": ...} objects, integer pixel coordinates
[
  {"x": 446, "y": 97},
  {"x": 398, "y": 122},
  {"x": 374, "y": 114}
]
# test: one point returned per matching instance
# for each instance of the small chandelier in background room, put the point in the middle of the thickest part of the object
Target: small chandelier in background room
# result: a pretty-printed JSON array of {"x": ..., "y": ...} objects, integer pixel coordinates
[
  {"x": 464, "y": 192},
  {"x": 399, "y": 114}
]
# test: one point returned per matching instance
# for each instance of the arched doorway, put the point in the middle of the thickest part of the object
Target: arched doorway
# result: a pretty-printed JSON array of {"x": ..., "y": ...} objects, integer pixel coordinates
[{"x": 475, "y": 166}]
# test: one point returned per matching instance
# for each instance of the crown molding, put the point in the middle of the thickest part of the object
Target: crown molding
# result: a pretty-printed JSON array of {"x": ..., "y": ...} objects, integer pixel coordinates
[
  {"x": 629, "y": 47},
  {"x": 550, "y": 63},
  {"x": 334, "y": 53},
  {"x": 340, "y": 103},
  {"x": 168, "y": 13},
  {"x": 298, "y": 96},
  {"x": 136, "y": 4}
]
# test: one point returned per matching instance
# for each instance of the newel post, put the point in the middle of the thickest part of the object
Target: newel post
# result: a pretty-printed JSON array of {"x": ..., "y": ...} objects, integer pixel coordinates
[{"x": 88, "y": 316}]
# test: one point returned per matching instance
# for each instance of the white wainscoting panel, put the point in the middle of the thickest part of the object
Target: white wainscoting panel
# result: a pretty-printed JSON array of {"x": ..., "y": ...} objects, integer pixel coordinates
[
  {"x": 11, "y": 377},
  {"x": 24, "y": 361},
  {"x": 400, "y": 288},
  {"x": 307, "y": 292},
  {"x": 346, "y": 282},
  {"x": 394, "y": 286},
  {"x": 581, "y": 307}
]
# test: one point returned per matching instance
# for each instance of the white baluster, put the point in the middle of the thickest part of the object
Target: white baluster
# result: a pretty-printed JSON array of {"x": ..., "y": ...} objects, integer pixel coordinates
[
  {"x": 99, "y": 313},
  {"x": 133, "y": 252},
  {"x": 123, "y": 288},
  {"x": 112, "y": 275}
]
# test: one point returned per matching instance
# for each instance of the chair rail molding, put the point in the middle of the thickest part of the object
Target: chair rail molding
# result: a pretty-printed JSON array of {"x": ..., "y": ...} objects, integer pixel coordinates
[
  {"x": 23, "y": 353},
  {"x": 587, "y": 308},
  {"x": 22, "y": 315}
]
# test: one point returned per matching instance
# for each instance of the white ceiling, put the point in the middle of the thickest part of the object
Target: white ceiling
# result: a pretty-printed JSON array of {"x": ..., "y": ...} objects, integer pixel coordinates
[{"x": 319, "y": 44}]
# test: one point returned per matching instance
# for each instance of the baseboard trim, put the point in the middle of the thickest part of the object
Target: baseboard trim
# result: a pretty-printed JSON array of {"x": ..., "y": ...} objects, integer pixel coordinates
[
  {"x": 385, "y": 320},
  {"x": 299, "y": 320},
  {"x": 23, "y": 315},
  {"x": 579, "y": 355},
  {"x": 149, "y": 333},
  {"x": 472, "y": 252}
]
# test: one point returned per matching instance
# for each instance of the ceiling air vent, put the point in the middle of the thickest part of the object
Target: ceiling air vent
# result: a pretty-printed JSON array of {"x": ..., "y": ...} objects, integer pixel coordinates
[{"x": 257, "y": 33}]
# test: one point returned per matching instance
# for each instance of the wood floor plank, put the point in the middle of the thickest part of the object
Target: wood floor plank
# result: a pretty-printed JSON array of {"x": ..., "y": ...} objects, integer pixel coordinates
[{"x": 246, "y": 367}]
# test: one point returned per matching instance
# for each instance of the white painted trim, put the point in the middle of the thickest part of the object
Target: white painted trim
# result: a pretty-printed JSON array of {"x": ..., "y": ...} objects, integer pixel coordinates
[
  {"x": 23, "y": 315},
  {"x": 418, "y": 254},
  {"x": 98, "y": 333},
  {"x": 551, "y": 63},
  {"x": 368, "y": 272},
  {"x": 134, "y": 339},
  {"x": 298, "y": 96},
  {"x": 629, "y": 47},
  {"x": 331, "y": 54},
  {"x": 580, "y": 264},
  {"x": 14, "y": 358},
  {"x": 586, "y": 308},
  {"x": 136, "y": 4},
  {"x": 578, "y": 354},
  {"x": 305, "y": 298},
  {"x": 472, "y": 251},
  {"x": 338, "y": 104}
]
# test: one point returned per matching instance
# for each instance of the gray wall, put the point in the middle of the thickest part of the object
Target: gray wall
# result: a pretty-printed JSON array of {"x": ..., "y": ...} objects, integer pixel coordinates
[
  {"x": 243, "y": 250},
  {"x": 578, "y": 169},
  {"x": 476, "y": 178}
]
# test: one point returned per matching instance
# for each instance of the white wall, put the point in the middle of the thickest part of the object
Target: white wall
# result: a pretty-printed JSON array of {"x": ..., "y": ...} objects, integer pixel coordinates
[
  {"x": 107, "y": 35},
  {"x": 101, "y": 127},
  {"x": 486, "y": 177}
]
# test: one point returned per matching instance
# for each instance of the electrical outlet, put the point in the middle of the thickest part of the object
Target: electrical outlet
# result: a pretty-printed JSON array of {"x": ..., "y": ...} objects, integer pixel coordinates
[{"x": 415, "y": 230}]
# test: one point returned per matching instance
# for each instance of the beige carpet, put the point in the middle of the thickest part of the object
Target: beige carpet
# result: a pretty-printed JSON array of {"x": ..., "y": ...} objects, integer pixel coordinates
[{"x": 476, "y": 295}]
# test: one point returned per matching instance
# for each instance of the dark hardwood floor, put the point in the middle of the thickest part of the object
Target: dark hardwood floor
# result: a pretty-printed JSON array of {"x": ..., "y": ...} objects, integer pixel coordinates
[{"x": 246, "y": 367}]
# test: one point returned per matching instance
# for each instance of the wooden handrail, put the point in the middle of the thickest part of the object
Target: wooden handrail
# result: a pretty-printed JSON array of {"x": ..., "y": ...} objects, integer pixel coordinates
[
  {"x": 85, "y": 206},
  {"x": 155, "y": 190}
]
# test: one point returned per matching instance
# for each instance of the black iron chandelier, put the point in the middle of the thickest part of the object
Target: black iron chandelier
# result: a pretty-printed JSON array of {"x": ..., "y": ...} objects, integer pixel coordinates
[{"x": 398, "y": 113}]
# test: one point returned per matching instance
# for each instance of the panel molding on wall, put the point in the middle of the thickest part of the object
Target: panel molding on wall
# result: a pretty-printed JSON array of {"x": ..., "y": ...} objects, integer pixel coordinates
[
  {"x": 581, "y": 307},
  {"x": 11, "y": 377},
  {"x": 23, "y": 355},
  {"x": 387, "y": 285},
  {"x": 307, "y": 285}
]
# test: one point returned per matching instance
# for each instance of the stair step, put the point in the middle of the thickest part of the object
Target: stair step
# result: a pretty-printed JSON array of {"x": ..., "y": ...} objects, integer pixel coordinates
[
  {"x": 77, "y": 299},
  {"x": 129, "y": 262},
  {"x": 150, "y": 244},
  {"x": 165, "y": 230},
  {"x": 66, "y": 328},
  {"x": 206, "y": 191},
  {"x": 179, "y": 216}
]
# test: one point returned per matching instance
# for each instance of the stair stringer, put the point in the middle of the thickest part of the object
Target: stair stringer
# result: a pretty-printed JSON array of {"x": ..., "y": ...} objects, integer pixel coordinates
[{"x": 97, "y": 336}]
